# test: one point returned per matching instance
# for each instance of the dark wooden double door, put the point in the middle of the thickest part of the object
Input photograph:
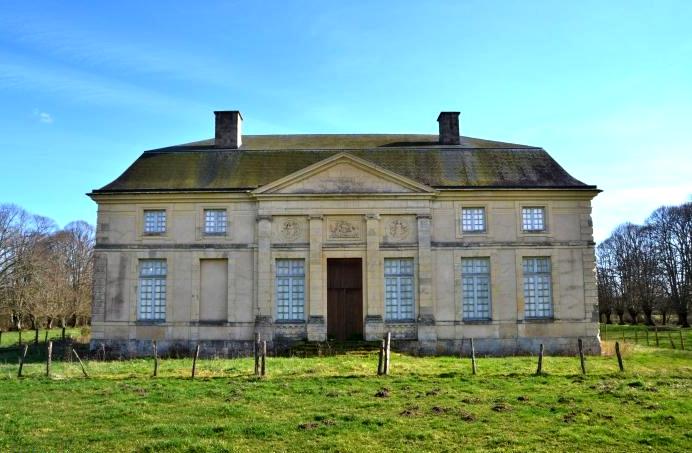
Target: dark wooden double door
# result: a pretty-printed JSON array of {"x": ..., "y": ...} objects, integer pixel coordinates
[{"x": 345, "y": 299}]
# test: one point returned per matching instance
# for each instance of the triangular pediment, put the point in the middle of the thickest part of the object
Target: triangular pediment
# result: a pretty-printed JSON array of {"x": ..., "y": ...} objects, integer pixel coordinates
[{"x": 344, "y": 174}]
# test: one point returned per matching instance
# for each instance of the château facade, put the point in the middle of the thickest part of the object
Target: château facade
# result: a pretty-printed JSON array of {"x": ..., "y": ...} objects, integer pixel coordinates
[{"x": 435, "y": 238}]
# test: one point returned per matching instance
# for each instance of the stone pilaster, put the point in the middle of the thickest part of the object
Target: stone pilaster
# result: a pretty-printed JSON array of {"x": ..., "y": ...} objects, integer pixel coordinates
[
  {"x": 374, "y": 307},
  {"x": 98, "y": 306},
  {"x": 265, "y": 310},
  {"x": 426, "y": 310},
  {"x": 317, "y": 327}
]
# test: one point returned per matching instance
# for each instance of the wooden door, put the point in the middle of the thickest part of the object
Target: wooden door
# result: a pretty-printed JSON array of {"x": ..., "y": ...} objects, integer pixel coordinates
[{"x": 345, "y": 299}]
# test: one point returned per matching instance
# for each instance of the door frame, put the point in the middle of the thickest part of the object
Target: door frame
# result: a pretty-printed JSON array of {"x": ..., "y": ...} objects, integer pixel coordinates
[{"x": 345, "y": 254}]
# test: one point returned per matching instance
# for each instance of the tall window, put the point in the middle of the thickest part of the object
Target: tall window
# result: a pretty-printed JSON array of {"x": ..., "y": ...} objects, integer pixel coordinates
[
  {"x": 533, "y": 219},
  {"x": 472, "y": 220},
  {"x": 154, "y": 221},
  {"x": 398, "y": 282},
  {"x": 152, "y": 290},
  {"x": 537, "y": 288},
  {"x": 215, "y": 221},
  {"x": 475, "y": 280},
  {"x": 290, "y": 290}
]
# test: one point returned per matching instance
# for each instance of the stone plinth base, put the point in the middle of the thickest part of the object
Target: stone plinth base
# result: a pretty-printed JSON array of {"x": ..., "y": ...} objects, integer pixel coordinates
[
  {"x": 124, "y": 349},
  {"x": 317, "y": 329}
]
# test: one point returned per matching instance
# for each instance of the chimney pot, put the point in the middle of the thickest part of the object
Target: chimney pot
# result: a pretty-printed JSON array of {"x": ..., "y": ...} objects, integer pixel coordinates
[
  {"x": 449, "y": 128},
  {"x": 228, "y": 129}
]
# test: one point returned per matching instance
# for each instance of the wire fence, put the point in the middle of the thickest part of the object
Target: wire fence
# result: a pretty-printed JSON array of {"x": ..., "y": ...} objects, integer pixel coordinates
[{"x": 668, "y": 337}]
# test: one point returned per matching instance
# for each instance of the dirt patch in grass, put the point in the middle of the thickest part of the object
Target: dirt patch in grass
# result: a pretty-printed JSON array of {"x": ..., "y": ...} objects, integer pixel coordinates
[
  {"x": 308, "y": 426},
  {"x": 410, "y": 411},
  {"x": 501, "y": 406},
  {"x": 382, "y": 393},
  {"x": 466, "y": 416}
]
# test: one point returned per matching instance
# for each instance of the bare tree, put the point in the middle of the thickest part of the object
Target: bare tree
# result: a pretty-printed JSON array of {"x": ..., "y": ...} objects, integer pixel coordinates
[{"x": 672, "y": 229}]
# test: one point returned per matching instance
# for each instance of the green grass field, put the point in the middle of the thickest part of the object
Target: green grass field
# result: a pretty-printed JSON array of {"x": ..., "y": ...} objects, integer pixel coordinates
[
  {"x": 8, "y": 339},
  {"x": 668, "y": 336},
  {"x": 339, "y": 404}
]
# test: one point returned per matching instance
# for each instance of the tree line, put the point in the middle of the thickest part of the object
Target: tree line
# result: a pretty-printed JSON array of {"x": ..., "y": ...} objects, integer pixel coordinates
[
  {"x": 45, "y": 271},
  {"x": 644, "y": 271}
]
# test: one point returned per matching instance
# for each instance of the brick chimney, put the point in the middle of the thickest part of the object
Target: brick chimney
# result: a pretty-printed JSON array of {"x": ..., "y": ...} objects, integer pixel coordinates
[
  {"x": 228, "y": 129},
  {"x": 449, "y": 128}
]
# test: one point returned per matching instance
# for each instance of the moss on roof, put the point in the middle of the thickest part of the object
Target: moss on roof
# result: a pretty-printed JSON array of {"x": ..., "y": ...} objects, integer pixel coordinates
[{"x": 266, "y": 158}]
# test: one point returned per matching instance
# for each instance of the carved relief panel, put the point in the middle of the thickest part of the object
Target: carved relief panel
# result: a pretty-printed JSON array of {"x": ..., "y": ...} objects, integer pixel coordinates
[
  {"x": 288, "y": 230},
  {"x": 344, "y": 229},
  {"x": 399, "y": 229}
]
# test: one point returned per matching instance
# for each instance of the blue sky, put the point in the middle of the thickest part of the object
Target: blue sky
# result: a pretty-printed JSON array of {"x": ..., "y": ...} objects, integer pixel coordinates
[{"x": 605, "y": 87}]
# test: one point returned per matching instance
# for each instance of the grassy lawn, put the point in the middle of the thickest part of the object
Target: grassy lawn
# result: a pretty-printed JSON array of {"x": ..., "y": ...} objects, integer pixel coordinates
[
  {"x": 338, "y": 404},
  {"x": 646, "y": 336},
  {"x": 8, "y": 339}
]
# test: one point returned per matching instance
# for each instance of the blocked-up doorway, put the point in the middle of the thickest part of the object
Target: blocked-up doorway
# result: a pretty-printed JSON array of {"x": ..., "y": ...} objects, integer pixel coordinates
[{"x": 213, "y": 300}]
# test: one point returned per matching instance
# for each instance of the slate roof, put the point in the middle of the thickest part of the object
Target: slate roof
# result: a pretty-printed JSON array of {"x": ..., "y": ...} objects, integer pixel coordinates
[{"x": 474, "y": 163}]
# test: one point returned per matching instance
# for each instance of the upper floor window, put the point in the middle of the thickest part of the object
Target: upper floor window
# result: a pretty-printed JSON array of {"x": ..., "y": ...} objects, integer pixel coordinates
[
  {"x": 152, "y": 290},
  {"x": 533, "y": 219},
  {"x": 154, "y": 221},
  {"x": 475, "y": 281},
  {"x": 398, "y": 283},
  {"x": 538, "y": 301},
  {"x": 473, "y": 220},
  {"x": 290, "y": 289},
  {"x": 215, "y": 222}
]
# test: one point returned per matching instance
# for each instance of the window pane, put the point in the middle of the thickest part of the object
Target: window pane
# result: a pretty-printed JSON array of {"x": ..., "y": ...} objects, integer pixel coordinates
[
  {"x": 290, "y": 289},
  {"x": 399, "y": 288},
  {"x": 533, "y": 219},
  {"x": 155, "y": 221},
  {"x": 215, "y": 221},
  {"x": 152, "y": 289},
  {"x": 537, "y": 287},
  {"x": 472, "y": 219},
  {"x": 475, "y": 288}
]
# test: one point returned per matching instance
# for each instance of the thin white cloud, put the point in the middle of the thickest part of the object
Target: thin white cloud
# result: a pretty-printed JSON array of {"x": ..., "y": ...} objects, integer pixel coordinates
[
  {"x": 78, "y": 85},
  {"x": 45, "y": 117},
  {"x": 613, "y": 207},
  {"x": 91, "y": 47}
]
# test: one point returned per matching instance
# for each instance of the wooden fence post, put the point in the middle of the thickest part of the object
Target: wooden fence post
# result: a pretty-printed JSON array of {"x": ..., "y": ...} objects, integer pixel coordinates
[
  {"x": 380, "y": 359},
  {"x": 682, "y": 343},
  {"x": 473, "y": 358},
  {"x": 80, "y": 363},
  {"x": 623, "y": 335},
  {"x": 617, "y": 352},
  {"x": 656, "y": 334},
  {"x": 45, "y": 338},
  {"x": 263, "y": 370},
  {"x": 670, "y": 337},
  {"x": 257, "y": 353},
  {"x": 36, "y": 332},
  {"x": 49, "y": 358},
  {"x": 581, "y": 356},
  {"x": 539, "y": 369},
  {"x": 21, "y": 360},
  {"x": 194, "y": 360},
  {"x": 388, "y": 353},
  {"x": 156, "y": 359}
]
